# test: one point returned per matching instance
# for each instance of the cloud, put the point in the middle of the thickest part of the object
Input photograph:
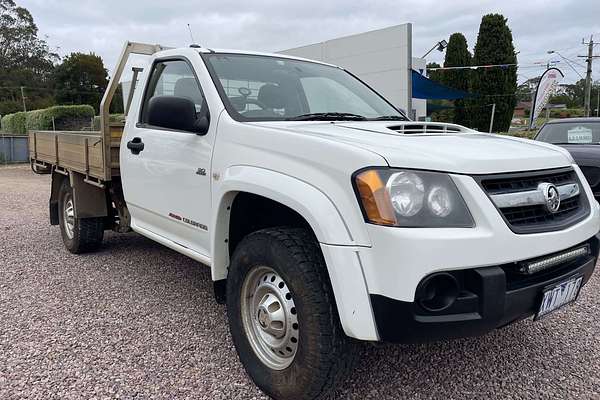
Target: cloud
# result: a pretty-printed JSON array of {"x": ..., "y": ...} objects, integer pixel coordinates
[{"x": 268, "y": 25}]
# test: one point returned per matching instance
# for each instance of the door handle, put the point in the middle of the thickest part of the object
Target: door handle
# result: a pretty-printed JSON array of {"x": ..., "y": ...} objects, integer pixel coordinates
[{"x": 135, "y": 145}]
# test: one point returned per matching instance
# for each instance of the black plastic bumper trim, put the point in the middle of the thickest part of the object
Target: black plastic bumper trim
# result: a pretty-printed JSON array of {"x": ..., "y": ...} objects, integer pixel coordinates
[{"x": 402, "y": 322}]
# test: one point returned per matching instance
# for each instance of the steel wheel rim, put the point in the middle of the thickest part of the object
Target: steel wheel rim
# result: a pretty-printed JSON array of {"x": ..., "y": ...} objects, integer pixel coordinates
[
  {"x": 69, "y": 216},
  {"x": 269, "y": 317}
]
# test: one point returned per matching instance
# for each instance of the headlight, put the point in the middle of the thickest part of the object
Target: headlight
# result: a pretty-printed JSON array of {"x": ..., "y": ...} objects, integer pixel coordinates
[
  {"x": 411, "y": 199},
  {"x": 406, "y": 192}
]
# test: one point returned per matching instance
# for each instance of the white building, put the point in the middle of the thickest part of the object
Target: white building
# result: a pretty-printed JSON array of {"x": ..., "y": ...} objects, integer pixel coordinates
[{"x": 382, "y": 58}]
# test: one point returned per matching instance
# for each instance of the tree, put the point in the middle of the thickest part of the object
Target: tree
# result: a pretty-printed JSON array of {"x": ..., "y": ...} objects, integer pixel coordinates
[
  {"x": 576, "y": 94},
  {"x": 458, "y": 55},
  {"x": 439, "y": 110},
  {"x": 81, "y": 79},
  {"x": 564, "y": 99},
  {"x": 25, "y": 60},
  {"x": 494, "y": 85},
  {"x": 434, "y": 75}
]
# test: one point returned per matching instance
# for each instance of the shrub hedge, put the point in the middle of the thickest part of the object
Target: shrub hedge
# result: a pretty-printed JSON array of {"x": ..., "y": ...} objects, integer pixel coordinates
[
  {"x": 64, "y": 117},
  {"x": 14, "y": 124},
  {"x": 120, "y": 118}
]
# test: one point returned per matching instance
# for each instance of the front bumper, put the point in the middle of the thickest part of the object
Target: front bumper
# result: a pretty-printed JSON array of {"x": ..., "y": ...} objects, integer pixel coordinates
[
  {"x": 401, "y": 257},
  {"x": 375, "y": 286},
  {"x": 490, "y": 298}
]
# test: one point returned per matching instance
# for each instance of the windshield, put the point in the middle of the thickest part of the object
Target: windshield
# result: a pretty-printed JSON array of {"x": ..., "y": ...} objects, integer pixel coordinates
[
  {"x": 265, "y": 88},
  {"x": 570, "y": 133}
]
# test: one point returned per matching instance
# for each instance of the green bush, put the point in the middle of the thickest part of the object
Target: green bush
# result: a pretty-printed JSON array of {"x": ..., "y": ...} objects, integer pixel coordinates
[
  {"x": 60, "y": 118},
  {"x": 566, "y": 113},
  {"x": 14, "y": 124},
  {"x": 522, "y": 134},
  {"x": 119, "y": 118}
]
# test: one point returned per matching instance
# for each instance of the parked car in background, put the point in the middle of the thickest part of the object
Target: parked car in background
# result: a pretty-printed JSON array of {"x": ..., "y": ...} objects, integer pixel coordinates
[{"x": 581, "y": 137}]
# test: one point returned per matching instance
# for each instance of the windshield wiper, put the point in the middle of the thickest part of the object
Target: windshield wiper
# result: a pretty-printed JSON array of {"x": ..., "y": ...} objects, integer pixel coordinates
[
  {"x": 328, "y": 116},
  {"x": 389, "y": 118}
]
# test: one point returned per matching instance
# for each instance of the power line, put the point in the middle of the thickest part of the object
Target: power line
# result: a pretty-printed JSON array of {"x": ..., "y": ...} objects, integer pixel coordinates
[
  {"x": 472, "y": 67},
  {"x": 569, "y": 64},
  {"x": 519, "y": 66},
  {"x": 70, "y": 91}
]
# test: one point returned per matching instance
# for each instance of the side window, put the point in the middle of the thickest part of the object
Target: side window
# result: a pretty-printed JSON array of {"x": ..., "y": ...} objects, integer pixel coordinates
[{"x": 172, "y": 78}]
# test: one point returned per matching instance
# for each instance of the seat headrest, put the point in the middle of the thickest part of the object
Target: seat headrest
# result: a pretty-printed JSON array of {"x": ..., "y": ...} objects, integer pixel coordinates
[
  {"x": 271, "y": 96},
  {"x": 188, "y": 88}
]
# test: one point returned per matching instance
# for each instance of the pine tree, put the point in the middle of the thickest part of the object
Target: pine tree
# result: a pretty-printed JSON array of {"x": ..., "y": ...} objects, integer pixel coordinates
[
  {"x": 458, "y": 55},
  {"x": 434, "y": 75},
  {"x": 493, "y": 85}
]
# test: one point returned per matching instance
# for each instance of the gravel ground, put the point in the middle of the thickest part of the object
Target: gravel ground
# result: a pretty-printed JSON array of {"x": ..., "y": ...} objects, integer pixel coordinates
[{"x": 137, "y": 320}]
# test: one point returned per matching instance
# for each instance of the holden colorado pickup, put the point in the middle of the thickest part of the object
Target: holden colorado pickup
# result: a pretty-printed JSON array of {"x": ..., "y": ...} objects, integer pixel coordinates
[{"x": 324, "y": 213}]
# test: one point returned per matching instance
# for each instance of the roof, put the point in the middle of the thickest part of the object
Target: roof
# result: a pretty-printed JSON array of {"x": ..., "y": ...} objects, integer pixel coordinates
[
  {"x": 258, "y": 53},
  {"x": 523, "y": 105}
]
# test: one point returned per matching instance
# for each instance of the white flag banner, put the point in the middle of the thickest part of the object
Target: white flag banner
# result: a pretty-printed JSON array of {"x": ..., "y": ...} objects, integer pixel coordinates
[{"x": 545, "y": 88}]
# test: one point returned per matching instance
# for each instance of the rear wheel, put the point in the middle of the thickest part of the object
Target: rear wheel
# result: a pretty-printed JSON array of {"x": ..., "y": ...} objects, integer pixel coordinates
[
  {"x": 282, "y": 315},
  {"x": 79, "y": 235}
]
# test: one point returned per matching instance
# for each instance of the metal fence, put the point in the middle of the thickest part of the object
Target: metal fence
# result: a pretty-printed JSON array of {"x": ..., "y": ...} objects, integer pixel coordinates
[{"x": 13, "y": 149}]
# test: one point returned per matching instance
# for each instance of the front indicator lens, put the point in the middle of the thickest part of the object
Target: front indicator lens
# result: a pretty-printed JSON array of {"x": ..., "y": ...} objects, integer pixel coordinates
[
  {"x": 408, "y": 198},
  {"x": 374, "y": 198}
]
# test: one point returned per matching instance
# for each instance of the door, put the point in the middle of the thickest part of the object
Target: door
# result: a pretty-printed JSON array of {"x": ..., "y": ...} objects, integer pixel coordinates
[{"x": 165, "y": 172}]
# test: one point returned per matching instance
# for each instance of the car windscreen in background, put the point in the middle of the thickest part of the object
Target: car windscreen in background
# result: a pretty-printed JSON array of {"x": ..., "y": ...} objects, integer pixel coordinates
[{"x": 571, "y": 133}]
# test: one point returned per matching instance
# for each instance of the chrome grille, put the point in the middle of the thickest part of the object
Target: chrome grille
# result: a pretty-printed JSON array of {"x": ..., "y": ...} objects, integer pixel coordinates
[
  {"x": 523, "y": 207},
  {"x": 517, "y": 183}
]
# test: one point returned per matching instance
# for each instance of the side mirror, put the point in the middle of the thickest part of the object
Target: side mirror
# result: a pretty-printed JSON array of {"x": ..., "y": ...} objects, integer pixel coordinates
[
  {"x": 203, "y": 121},
  {"x": 178, "y": 113}
]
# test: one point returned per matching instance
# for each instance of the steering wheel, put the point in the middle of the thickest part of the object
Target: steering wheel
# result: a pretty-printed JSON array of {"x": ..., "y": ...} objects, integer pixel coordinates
[{"x": 245, "y": 92}]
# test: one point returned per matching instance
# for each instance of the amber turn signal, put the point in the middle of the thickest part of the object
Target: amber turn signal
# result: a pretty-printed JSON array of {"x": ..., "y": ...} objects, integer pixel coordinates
[{"x": 374, "y": 198}]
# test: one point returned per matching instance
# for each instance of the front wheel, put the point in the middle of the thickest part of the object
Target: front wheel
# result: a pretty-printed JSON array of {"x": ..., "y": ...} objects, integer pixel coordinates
[
  {"x": 282, "y": 315},
  {"x": 79, "y": 235}
]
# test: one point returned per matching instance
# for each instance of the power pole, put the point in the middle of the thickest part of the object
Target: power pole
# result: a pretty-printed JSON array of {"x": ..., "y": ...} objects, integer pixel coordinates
[
  {"x": 598, "y": 103},
  {"x": 23, "y": 98},
  {"x": 588, "y": 77}
]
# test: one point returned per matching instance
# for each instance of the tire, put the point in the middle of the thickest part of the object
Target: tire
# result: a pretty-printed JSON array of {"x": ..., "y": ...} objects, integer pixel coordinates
[
  {"x": 80, "y": 235},
  {"x": 291, "y": 259}
]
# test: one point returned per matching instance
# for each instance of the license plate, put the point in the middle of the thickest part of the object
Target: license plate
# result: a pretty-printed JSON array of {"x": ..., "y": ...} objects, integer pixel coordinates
[{"x": 559, "y": 295}]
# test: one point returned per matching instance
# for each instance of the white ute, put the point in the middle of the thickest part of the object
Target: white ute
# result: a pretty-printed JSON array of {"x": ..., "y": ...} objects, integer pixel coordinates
[{"x": 324, "y": 213}]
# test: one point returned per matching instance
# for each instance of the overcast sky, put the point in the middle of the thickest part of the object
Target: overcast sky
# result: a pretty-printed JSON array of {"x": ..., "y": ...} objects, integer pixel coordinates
[{"x": 101, "y": 26}]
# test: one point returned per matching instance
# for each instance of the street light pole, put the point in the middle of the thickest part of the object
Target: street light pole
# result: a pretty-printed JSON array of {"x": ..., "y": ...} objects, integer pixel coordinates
[{"x": 440, "y": 46}]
